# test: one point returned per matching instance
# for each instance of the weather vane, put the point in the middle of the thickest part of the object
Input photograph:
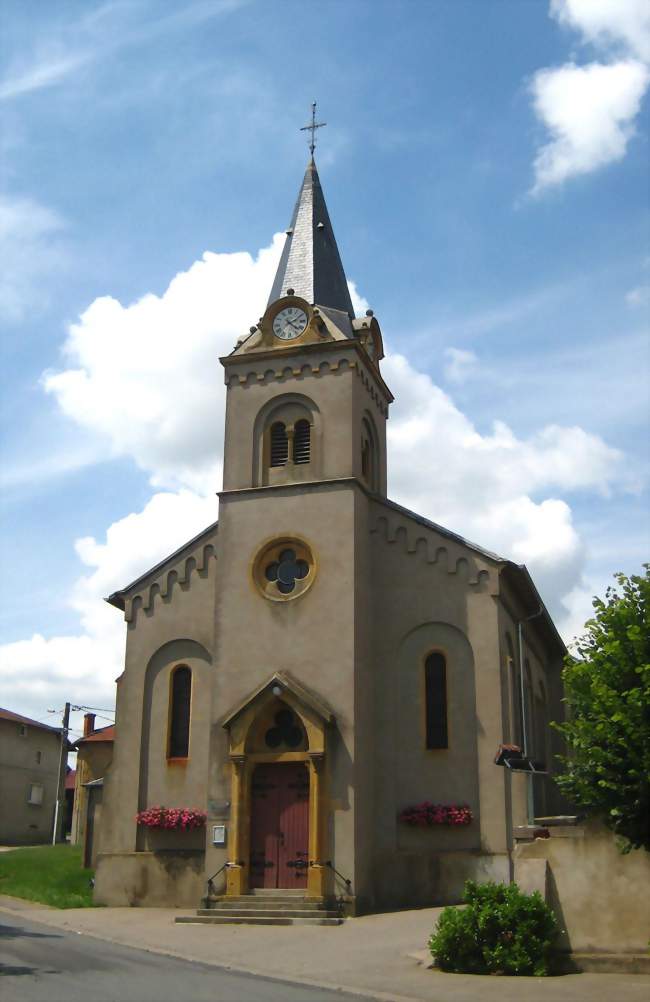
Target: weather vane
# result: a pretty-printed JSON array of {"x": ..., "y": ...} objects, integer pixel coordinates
[{"x": 313, "y": 125}]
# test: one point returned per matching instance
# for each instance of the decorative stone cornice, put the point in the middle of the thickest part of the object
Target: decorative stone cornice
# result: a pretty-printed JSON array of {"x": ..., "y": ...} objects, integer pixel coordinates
[
  {"x": 250, "y": 370},
  {"x": 161, "y": 587},
  {"x": 280, "y": 373},
  {"x": 419, "y": 541}
]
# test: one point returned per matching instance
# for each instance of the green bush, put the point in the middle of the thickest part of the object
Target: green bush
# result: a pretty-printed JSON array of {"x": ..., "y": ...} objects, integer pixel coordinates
[{"x": 501, "y": 931}]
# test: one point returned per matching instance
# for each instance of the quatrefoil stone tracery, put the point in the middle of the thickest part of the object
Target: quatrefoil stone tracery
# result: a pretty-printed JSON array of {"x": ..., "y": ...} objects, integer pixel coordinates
[{"x": 286, "y": 570}]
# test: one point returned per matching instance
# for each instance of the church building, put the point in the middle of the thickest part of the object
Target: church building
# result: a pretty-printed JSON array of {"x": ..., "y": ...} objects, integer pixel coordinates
[{"x": 342, "y": 686}]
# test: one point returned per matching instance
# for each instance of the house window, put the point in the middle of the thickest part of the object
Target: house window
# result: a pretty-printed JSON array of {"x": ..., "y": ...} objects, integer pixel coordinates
[
  {"x": 435, "y": 684},
  {"x": 22, "y": 730},
  {"x": 35, "y": 795},
  {"x": 279, "y": 444},
  {"x": 179, "y": 728},
  {"x": 39, "y": 756},
  {"x": 301, "y": 441}
]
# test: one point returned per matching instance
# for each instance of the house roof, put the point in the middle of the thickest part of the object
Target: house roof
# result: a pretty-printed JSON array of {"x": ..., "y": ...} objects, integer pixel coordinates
[
  {"x": 70, "y": 779},
  {"x": 19, "y": 719},
  {"x": 102, "y": 734},
  {"x": 117, "y": 597}
]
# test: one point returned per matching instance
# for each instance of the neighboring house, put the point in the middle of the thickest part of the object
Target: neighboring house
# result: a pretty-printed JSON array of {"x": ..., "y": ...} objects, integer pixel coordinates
[
  {"x": 30, "y": 757},
  {"x": 323, "y": 659},
  {"x": 94, "y": 754}
]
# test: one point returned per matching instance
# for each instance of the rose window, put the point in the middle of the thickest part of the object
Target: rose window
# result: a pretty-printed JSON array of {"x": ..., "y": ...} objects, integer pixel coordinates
[
  {"x": 284, "y": 732},
  {"x": 284, "y": 569}
]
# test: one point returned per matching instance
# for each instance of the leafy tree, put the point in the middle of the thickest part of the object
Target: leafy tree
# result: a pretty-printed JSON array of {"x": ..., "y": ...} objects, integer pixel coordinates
[{"x": 607, "y": 689}]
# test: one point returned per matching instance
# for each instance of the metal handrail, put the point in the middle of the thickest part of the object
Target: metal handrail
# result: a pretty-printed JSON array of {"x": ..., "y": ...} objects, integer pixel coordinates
[
  {"x": 210, "y": 880},
  {"x": 348, "y": 883}
]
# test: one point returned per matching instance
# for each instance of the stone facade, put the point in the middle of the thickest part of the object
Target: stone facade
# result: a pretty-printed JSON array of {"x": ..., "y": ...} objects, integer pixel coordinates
[
  {"x": 338, "y": 634},
  {"x": 30, "y": 755},
  {"x": 94, "y": 756}
]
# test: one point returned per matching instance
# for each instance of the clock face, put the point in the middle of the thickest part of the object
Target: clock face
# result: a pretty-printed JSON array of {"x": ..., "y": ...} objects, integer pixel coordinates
[{"x": 289, "y": 323}]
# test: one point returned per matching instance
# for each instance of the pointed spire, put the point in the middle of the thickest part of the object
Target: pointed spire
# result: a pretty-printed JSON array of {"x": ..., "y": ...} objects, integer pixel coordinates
[{"x": 310, "y": 262}]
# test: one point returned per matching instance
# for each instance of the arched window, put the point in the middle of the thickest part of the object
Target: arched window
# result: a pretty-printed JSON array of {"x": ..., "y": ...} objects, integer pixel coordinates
[
  {"x": 514, "y": 682},
  {"x": 435, "y": 688},
  {"x": 179, "y": 717},
  {"x": 279, "y": 444},
  {"x": 368, "y": 455},
  {"x": 530, "y": 737},
  {"x": 541, "y": 726},
  {"x": 301, "y": 441}
]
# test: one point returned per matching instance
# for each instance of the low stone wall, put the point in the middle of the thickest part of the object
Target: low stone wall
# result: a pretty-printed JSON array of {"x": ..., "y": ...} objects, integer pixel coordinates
[
  {"x": 600, "y": 896},
  {"x": 409, "y": 879},
  {"x": 166, "y": 879}
]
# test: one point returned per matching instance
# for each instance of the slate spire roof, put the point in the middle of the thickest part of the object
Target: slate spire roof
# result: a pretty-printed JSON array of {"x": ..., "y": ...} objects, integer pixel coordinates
[{"x": 310, "y": 262}]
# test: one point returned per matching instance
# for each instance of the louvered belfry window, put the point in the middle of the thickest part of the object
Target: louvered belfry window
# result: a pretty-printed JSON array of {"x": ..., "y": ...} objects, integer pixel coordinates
[
  {"x": 179, "y": 727},
  {"x": 301, "y": 442},
  {"x": 279, "y": 444},
  {"x": 435, "y": 684}
]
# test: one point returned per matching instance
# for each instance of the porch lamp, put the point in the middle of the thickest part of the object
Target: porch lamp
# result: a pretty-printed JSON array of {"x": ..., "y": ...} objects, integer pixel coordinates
[{"x": 277, "y": 690}]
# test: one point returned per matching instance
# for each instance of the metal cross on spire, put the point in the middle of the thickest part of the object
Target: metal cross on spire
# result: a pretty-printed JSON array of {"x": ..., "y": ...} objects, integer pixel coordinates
[{"x": 311, "y": 127}]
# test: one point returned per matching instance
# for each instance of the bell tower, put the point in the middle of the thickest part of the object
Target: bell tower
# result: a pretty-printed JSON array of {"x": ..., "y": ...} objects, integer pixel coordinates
[
  {"x": 304, "y": 461},
  {"x": 306, "y": 401}
]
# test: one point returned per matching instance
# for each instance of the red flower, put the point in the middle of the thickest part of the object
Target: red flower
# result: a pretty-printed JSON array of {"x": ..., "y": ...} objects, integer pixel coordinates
[
  {"x": 171, "y": 818},
  {"x": 426, "y": 814}
]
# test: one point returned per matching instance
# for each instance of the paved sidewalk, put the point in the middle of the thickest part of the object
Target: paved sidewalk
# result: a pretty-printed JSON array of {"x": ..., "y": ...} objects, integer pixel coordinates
[{"x": 367, "y": 955}]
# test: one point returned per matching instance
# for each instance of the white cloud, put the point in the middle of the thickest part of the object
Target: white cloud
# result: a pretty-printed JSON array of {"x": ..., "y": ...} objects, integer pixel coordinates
[
  {"x": 41, "y": 73},
  {"x": 487, "y": 487},
  {"x": 146, "y": 377},
  {"x": 160, "y": 358},
  {"x": 589, "y": 112},
  {"x": 460, "y": 364},
  {"x": 639, "y": 296},
  {"x": 359, "y": 303},
  {"x": 82, "y": 668},
  {"x": 29, "y": 250},
  {"x": 608, "y": 23}
]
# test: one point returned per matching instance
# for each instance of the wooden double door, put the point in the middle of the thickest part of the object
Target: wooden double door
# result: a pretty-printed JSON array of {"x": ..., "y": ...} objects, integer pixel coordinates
[{"x": 279, "y": 837}]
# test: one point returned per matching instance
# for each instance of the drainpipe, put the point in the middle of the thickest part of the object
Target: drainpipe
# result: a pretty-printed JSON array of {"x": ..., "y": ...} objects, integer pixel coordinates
[{"x": 525, "y": 723}]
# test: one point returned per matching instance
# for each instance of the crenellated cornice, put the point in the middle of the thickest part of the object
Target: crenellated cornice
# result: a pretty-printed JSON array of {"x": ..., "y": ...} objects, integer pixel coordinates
[
  {"x": 158, "y": 581},
  {"x": 255, "y": 374},
  {"x": 162, "y": 586},
  {"x": 418, "y": 540}
]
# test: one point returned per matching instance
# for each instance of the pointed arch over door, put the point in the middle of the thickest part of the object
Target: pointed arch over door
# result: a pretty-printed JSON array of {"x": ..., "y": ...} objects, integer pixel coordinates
[{"x": 280, "y": 724}]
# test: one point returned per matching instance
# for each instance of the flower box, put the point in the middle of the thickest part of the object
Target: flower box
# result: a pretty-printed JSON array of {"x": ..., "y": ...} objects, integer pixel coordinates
[
  {"x": 172, "y": 818},
  {"x": 428, "y": 815}
]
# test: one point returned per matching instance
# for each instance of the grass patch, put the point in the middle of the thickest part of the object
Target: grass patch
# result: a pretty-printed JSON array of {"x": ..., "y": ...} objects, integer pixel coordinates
[{"x": 50, "y": 874}]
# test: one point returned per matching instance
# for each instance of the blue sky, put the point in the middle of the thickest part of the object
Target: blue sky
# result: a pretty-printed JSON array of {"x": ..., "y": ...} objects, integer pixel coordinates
[{"x": 485, "y": 166}]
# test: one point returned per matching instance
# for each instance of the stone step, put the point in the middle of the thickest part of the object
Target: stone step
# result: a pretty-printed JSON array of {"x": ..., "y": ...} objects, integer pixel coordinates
[
  {"x": 254, "y": 919},
  {"x": 268, "y": 912},
  {"x": 261, "y": 904},
  {"x": 278, "y": 892}
]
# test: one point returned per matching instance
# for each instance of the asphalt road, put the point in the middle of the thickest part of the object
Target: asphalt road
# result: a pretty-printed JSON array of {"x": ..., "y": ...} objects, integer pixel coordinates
[{"x": 42, "y": 964}]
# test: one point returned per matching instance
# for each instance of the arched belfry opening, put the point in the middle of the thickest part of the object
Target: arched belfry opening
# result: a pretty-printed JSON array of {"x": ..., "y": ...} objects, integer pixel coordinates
[
  {"x": 277, "y": 744},
  {"x": 287, "y": 446}
]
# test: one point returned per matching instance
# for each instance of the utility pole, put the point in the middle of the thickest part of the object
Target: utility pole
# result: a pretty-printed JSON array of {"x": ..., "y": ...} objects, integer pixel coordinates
[{"x": 60, "y": 790}]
